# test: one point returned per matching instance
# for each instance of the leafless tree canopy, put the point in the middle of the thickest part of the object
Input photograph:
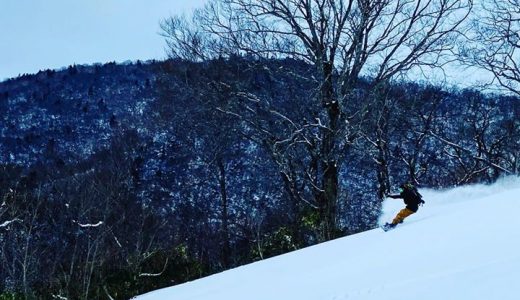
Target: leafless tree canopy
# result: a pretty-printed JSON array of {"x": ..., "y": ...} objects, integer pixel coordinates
[
  {"x": 381, "y": 37},
  {"x": 495, "y": 42}
]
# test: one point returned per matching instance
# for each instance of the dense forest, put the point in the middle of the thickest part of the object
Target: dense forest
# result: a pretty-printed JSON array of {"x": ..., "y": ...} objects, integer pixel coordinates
[
  {"x": 274, "y": 125},
  {"x": 119, "y": 179}
]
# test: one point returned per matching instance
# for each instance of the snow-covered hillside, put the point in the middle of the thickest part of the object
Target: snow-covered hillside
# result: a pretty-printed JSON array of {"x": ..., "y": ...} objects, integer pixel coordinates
[{"x": 463, "y": 244}]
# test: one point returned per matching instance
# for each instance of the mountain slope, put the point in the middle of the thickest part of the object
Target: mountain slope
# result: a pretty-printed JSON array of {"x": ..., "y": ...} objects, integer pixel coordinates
[{"x": 464, "y": 244}]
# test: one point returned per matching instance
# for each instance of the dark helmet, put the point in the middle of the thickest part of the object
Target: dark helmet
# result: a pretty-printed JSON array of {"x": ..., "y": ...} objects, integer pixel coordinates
[{"x": 407, "y": 186}]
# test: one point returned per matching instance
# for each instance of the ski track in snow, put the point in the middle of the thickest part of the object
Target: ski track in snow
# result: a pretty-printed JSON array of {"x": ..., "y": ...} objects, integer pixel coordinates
[{"x": 463, "y": 244}]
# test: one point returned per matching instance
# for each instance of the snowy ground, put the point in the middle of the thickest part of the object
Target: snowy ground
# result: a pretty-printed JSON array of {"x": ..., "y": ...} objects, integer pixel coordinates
[{"x": 463, "y": 244}]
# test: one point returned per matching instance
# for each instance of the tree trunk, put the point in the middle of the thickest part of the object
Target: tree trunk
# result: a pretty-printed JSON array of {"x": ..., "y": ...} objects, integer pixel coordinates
[
  {"x": 329, "y": 196},
  {"x": 383, "y": 176},
  {"x": 224, "y": 231}
]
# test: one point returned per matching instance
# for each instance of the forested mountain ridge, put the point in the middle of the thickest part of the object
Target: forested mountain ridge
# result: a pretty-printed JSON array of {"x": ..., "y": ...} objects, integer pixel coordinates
[
  {"x": 118, "y": 179},
  {"x": 71, "y": 110}
]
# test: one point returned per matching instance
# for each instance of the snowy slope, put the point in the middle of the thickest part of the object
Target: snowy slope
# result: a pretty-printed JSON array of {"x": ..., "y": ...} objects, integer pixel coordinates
[{"x": 464, "y": 244}]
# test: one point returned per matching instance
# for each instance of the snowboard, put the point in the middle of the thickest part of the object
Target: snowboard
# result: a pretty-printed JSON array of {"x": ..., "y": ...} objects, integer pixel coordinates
[{"x": 386, "y": 227}]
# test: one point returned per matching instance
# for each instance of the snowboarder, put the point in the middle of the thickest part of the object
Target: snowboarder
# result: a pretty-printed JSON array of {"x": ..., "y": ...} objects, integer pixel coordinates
[{"x": 409, "y": 193}]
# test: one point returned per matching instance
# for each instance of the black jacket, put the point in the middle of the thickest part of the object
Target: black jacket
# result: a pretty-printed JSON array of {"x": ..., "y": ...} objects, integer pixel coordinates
[{"x": 411, "y": 198}]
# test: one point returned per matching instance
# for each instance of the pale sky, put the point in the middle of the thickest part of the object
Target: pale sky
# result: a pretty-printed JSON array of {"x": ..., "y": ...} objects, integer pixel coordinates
[{"x": 49, "y": 34}]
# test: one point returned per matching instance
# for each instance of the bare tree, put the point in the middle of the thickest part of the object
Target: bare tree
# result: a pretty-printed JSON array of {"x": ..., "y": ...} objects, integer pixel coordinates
[
  {"x": 343, "y": 39},
  {"x": 495, "y": 42},
  {"x": 478, "y": 150},
  {"x": 377, "y": 134},
  {"x": 20, "y": 236}
]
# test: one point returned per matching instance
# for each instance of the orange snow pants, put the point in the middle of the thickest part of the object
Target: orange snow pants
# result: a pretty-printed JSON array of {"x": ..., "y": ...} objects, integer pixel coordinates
[{"x": 405, "y": 212}]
